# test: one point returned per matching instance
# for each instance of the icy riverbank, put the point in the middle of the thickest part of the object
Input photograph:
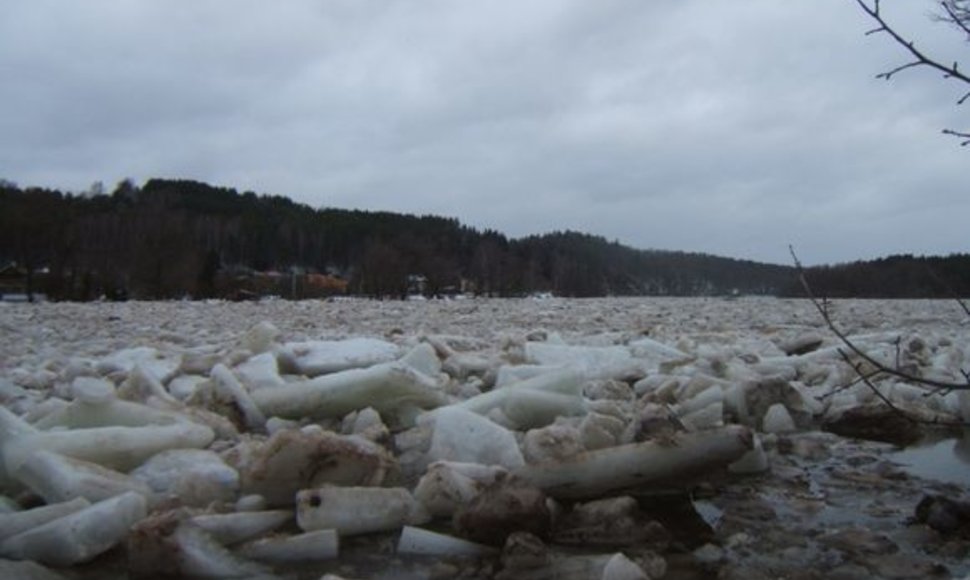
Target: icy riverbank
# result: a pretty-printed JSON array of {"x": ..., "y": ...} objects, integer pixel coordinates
[{"x": 482, "y": 437}]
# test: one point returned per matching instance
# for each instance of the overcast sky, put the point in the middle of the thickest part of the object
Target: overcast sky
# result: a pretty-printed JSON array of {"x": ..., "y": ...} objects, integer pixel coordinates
[{"x": 728, "y": 127}]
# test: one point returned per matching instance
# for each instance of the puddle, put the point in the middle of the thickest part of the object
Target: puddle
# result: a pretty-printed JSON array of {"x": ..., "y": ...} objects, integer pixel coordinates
[{"x": 947, "y": 460}]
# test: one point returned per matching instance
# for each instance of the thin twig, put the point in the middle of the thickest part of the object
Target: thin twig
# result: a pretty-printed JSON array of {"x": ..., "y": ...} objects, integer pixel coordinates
[
  {"x": 861, "y": 353},
  {"x": 964, "y": 136},
  {"x": 902, "y": 412},
  {"x": 954, "y": 18},
  {"x": 921, "y": 59},
  {"x": 846, "y": 386}
]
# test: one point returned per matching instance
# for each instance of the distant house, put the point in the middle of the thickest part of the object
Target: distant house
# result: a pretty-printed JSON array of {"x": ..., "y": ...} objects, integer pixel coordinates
[
  {"x": 325, "y": 285},
  {"x": 13, "y": 284},
  {"x": 417, "y": 284}
]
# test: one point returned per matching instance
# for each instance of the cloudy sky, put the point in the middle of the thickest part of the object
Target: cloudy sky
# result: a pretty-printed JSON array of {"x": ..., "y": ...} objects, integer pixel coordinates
[{"x": 733, "y": 128}]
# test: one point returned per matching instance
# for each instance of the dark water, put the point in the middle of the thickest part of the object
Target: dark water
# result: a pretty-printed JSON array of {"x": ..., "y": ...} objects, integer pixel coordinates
[{"x": 947, "y": 460}]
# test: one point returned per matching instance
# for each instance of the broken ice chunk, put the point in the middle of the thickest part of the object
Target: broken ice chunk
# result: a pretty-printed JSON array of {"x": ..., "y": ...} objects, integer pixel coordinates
[
  {"x": 308, "y": 547},
  {"x": 777, "y": 420},
  {"x": 512, "y": 374},
  {"x": 366, "y": 423},
  {"x": 388, "y": 388},
  {"x": 619, "y": 567},
  {"x": 260, "y": 372},
  {"x": 594, "y": 473},
  {"x": 320, "y": 357},
  {"x": 556, "y": 441},
  {"x": 463, "y": 436},
  {"x": 121, "y": 448},
  {"x": 150, "y": 359},
  {"x": 261, "y": 337},
  {"x": 16, "y": 398},
  {"x": 92, "y": 390},
  {"x": 15, "y": 523},
  {"x": 96, "y": 405},
  {"x": 357, "y": 510},
  {"x": 199, "y": 555},
  {"x": 57, "y": 478},
  {"x": 292, "y": 460},
  {"x": 80, "y": 536},
  {"x": 11, "y": 427},
  {"x": 754, "y": 461},
  {"x": 447, "y": 485},
  {"x": 598, "y": 431},
  {"x": 595, "y": 362},
  {"x": 559, "y": 393},
  {"x": 645, "y": 347},
  {"x": 184, "y": 386},
  {"x": 196, "y": 477},
  {"x": 233, "y": 528},
  {"x": 427, "y": 543},
  {"x": 143, "y": 383},
  {"x": 423, "y": 359},
  {"x": 228, "y": 387}
]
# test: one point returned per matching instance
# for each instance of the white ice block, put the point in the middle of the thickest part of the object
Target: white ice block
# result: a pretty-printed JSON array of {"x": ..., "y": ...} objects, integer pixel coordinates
[
  {"x": 595, "y": 473},
  {"x": 319, "y": 357},
  {"x": 357, "y": 510},
  {"x": 121, "y": 448},
  {"x": 200, "y": 556},
  {"x": 308, "y": 547},
  {"x": 754, "y": 461},
  {"x": 427, "y": 543},
  {"x": 58, "y": 478},
  {"x": 227, "y": 385},
  {"x": 295, "y": 459},
  {"x": 197, "y": 477},
  {"x": 386, "y": 388},
  {"x": 15, "y": 523},
  {"x": 80, "y": 536},
  {"x": 526, "y": 408},
  {"x": 260, "y": 372},
  {"x": 85, "y": 413},
  {"x": 467, "y": 437},
  {"x": 777, "y": 420},
  {"x": 594, "y": 362},
  {"x": 233, "y": 528}
]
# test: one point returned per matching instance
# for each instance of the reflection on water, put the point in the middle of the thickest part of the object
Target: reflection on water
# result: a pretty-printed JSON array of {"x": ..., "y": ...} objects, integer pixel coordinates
[{"x": 946, "y": 460}]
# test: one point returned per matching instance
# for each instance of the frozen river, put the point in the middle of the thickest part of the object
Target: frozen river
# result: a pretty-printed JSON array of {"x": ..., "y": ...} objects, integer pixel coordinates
[{"x": 525, "y": 387}]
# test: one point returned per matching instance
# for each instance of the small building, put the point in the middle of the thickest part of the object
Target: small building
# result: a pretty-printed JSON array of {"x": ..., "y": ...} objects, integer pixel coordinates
[{"x": 13, "y": 284}]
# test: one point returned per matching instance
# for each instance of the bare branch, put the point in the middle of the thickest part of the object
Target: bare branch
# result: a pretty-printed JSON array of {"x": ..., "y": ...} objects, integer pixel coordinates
[
  {"x": 960, "y": 20},
  {"x": 957, "y": 14},
  {"x": 888, "y": 74},
  {"x": 959, "y": 134},
  {"x": 854, "y": 349},
  {"x": 888, "y": 402}
]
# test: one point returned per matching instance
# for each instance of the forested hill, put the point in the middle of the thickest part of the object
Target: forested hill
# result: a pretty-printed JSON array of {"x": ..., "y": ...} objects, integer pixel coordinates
[{"x": 178, "y": 238}]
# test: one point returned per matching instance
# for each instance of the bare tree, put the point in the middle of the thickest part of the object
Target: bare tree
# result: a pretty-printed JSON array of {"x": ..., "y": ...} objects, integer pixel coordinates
[{"x": 955, "y": 13}]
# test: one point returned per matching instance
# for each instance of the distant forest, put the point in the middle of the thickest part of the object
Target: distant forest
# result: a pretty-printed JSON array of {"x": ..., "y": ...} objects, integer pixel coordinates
[{"x": 185, "y": 239}]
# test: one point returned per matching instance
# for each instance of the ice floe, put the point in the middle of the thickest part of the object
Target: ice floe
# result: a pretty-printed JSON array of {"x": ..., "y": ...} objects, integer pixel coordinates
[{"x": 492, "y": 437}]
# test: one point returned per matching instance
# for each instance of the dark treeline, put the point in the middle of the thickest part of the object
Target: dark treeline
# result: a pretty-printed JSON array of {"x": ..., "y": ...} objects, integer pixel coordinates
[
  {"x": 900, "y": 276},
  {"x": 179, "y": 238}
]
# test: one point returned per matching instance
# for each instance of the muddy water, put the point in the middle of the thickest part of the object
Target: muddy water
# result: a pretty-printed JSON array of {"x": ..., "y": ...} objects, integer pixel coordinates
[
  {"x": 946, "y": 460},
  {"x": 832, "y": 507}
]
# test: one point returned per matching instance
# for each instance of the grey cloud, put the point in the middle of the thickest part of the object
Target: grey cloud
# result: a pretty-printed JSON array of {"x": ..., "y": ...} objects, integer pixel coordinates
[{"x": 732, "y": 128}]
